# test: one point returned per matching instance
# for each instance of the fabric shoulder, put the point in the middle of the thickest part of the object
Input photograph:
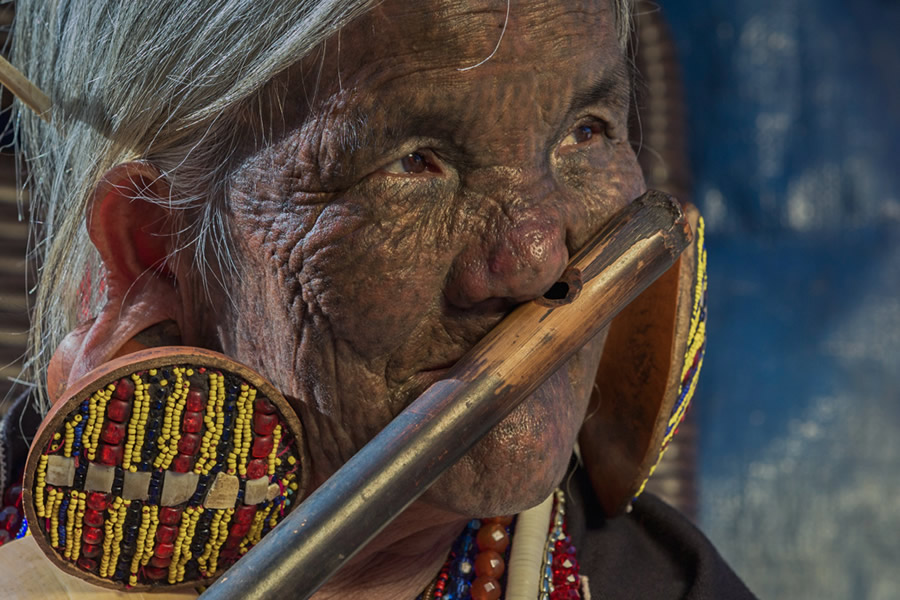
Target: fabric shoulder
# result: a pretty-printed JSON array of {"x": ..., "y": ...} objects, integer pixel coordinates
[{"x": 652, "y": 552}]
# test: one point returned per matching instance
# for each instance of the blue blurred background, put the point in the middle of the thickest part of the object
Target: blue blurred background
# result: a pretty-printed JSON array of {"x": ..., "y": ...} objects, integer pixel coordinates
[{"x": 794, "y": 130}]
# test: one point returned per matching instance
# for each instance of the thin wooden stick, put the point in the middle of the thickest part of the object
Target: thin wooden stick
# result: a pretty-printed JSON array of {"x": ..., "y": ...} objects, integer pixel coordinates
[{"x": 30, "y": 95}]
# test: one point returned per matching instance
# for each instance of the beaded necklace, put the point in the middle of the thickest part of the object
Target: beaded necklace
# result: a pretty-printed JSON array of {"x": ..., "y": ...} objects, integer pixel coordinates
[{"x": 476, "y": 566}]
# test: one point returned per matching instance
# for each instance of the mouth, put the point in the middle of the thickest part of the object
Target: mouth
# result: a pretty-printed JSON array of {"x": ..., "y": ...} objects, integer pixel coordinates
[{"x": 418, "y": 382}]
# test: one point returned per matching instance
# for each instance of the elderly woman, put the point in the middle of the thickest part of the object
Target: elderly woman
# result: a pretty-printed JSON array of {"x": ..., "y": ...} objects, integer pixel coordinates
[{"x": 346, "y": 195}]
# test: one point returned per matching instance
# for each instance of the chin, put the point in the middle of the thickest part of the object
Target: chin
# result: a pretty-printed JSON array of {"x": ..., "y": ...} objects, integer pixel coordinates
[{"x": 524, "y": 458}]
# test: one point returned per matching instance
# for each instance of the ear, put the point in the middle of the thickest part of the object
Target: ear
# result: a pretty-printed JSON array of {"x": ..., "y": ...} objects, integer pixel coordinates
[
  {"x": 646, "y": 378},
  {"x": 133, "y": 232}
]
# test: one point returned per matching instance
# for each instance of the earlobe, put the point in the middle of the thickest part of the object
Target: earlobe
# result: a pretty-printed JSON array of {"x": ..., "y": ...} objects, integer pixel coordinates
[{"x": 134, "y": 234}]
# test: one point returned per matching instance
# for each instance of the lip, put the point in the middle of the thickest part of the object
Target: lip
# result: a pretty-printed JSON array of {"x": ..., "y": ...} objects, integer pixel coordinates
[
  {"x": 420, "y": 381},
  {"x": 424, "y": 379}
]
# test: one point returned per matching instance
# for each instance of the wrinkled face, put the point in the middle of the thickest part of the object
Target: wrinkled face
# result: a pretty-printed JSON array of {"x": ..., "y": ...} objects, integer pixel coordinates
[{"x": 407, "y": 205}]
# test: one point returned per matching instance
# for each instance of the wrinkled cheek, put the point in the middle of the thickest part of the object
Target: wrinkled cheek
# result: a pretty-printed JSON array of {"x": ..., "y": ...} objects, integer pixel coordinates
[
  {"x": 624, "y": 182},
  {"x": 373, "y": 291}
]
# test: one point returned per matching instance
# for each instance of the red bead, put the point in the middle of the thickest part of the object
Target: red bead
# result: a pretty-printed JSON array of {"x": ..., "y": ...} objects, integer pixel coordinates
[
  {"x": 492, "y": 536},
  {"x": 97, "y": 501},
  {"x": 564, "y": 546},
  {"x": 92, "y": 535},
  {"x": 195, "y": 401},
  {"x": 117, "y": 410},
  {"x": 113, "y": 432},
  {"x": 189, "y": 443},
  {"x": 485, "y": 588},
  {"x": 244, "y": 514},
  {"x": 164, "y": 550},
  {"x": 264, "y": 424},
  {"x": 565, "y": 594},
  {"x": 110, "y": 455},
  {"x": 155, "y": 572},
  {"x": 166, "y": 534},
  {"x": 239, "y": 529},
  {"x": 91, "y": 550},
  {"x": 262, "y": 446},
  {"x": 124, "y": 389},
  {"x": 182, "y": 463},
  {"x": 88, "y": 564},
  {"x": 489, "y": 564},
  {"x": 193, "y": 422},
  {"x": 160, "y": 561},
  {"x": 94, "y": 518},
  {"x": 506, "y": 521},
  {"x": 256, "y": 468},
  {"x": 169, "y": 515},
  {"x": 264, "y": 405}
]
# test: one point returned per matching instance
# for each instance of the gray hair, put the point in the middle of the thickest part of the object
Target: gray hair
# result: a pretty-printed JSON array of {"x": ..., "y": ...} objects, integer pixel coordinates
[{"x": 164, "y": 81}]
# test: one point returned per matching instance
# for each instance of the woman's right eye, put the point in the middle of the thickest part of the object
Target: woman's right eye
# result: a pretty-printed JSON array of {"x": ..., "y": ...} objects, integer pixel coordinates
[{"x": 413, "y": 163}]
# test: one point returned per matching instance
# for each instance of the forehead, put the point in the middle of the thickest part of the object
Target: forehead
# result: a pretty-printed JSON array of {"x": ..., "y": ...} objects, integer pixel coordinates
[
  {"x": 437, "y": 44},
  {"x": 462, "y": 33},
  {"x": 463, "y": 71}
]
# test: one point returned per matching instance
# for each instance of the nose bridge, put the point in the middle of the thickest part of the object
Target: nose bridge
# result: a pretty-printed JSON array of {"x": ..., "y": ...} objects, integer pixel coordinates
[{"x": 519, "y": 250}]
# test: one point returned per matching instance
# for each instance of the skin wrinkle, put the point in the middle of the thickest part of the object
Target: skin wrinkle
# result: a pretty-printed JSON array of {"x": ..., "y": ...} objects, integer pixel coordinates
[{"x": 358, "y": 280}]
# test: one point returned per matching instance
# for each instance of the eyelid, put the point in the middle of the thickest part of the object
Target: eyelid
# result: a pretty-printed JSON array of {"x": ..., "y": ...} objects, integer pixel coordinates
[
  {"x": 598, "y": 126},
  {"x": 398, "y": 169}
]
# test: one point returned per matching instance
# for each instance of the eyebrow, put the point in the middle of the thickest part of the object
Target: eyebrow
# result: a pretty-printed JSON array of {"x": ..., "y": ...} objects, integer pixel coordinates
[
  {"x": 612, "y": 87},
  {"x": 355, "y": 134}
]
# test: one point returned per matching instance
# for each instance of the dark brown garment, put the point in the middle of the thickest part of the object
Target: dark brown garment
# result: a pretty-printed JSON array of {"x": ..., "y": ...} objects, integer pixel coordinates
[{"x": 652, "y": 553}]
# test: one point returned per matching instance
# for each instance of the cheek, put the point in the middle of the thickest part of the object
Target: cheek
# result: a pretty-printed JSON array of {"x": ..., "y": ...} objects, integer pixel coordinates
[
  {"x": 605, "y": 180},
  {"x": 366, "y": 278}
]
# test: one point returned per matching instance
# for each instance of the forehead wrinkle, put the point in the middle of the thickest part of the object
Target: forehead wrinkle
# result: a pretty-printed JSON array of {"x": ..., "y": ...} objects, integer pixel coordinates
[{"x": 466, "y": 33}]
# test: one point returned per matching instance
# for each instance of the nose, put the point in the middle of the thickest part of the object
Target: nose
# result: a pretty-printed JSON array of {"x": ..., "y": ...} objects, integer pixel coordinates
[{"x": 515, "y": 258}]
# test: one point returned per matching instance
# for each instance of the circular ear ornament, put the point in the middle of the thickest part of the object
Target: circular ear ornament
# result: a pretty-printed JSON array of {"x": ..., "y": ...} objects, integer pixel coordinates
[{"x": 161, "y": 468}]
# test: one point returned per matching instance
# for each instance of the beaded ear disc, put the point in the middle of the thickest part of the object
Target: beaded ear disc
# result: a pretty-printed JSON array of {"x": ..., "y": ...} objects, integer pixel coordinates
[
  {"x": 646, "y": 378},
  {"x": 161, "y": 469}
]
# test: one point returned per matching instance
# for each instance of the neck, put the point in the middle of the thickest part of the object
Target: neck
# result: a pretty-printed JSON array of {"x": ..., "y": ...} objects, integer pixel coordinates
[{"x": 401, "y": 561}]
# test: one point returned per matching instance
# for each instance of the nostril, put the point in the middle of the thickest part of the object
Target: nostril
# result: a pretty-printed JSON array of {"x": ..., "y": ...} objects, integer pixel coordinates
[{"x": 558, "y": 291}]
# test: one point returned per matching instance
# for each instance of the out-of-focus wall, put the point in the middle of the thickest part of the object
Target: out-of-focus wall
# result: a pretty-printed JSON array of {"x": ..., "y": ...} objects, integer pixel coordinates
[
  {"x": 13, "y": 243},
  {"x": 795, "y": 135}
]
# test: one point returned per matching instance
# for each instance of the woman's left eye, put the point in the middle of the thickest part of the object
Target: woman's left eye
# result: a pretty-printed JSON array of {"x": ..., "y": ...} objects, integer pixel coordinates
[
  {"x": 582, "y": 134},
  {"x": 413, "y": 163}
]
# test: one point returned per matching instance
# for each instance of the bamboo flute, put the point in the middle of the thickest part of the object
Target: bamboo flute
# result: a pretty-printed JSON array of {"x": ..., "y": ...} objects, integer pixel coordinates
[{"x": 441, "y": 425}]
